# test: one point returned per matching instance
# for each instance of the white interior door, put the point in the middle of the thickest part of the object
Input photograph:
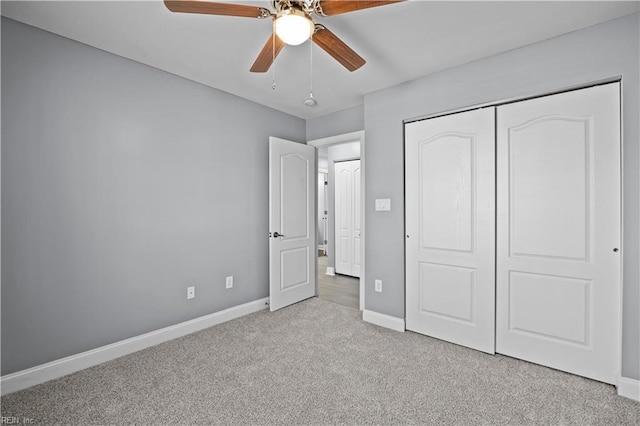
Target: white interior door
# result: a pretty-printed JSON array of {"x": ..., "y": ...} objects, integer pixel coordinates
[
  {"x": 292, "y": 230},
  {"x": 347, "y": 217},
  {"x": 558, "y": 266},
  {"x": 450, "y": 220}
]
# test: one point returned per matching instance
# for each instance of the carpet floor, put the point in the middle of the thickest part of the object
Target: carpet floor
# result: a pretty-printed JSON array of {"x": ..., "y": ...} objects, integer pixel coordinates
[{"x": 317, "y": 362}]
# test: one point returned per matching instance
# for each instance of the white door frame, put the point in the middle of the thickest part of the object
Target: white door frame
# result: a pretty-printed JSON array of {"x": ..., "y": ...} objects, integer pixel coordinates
[
  {"x": 336, "y": 140},
  {"x": 325, "y": 224}
]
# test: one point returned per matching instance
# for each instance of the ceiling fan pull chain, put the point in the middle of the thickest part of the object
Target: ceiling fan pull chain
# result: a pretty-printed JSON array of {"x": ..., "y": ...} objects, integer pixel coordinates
[
  {"x": 310, "y": 101},
  {"x": 273, "y": 54},
  {"x": 311, "y": 66}
]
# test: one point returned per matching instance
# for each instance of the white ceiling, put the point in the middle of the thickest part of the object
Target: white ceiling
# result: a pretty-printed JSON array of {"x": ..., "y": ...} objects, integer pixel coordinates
[{"x": 400, "y": 42}]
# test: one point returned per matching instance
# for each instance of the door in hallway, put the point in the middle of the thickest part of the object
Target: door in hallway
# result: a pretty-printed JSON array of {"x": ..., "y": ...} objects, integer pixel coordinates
[{"x": 347, "y": 217}]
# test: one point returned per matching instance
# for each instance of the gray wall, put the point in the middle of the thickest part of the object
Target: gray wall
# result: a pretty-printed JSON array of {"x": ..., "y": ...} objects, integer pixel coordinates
[
  {"x": 338, "y": 123},
  {"x": 600, "y": 52},
  {"x": 121, "y": 186}
]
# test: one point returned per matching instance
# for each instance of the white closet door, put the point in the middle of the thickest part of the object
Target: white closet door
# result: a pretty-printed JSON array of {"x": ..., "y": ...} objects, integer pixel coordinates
[
  {"x": 347, "y": 217},
  {"x": 558, "y": 205},
  {"x": 450, "y": 220}
]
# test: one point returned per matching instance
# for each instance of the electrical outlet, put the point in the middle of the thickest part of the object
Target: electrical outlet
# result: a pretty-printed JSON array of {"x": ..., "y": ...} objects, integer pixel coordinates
[
  {"x": 378, "y": 286},
  {"x": 229, "y": 282},
  {"x": 191, "y": 292}
]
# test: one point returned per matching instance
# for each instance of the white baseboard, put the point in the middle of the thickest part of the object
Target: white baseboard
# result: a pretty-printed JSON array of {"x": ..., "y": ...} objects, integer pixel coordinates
[
  {"x": 383, "y": 320},
  {"x": 629, "y": 388},
  {"x": 331, "y": 270},
  {"x": 52, "y": 370}
]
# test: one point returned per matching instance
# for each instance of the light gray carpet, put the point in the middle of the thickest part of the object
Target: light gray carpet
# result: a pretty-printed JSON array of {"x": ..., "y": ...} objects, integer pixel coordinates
[{"x": 318, "y": 363}]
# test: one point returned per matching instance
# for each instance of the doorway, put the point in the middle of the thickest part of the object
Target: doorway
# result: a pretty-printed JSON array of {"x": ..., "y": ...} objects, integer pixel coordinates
[{"x": 336, "y": 287}]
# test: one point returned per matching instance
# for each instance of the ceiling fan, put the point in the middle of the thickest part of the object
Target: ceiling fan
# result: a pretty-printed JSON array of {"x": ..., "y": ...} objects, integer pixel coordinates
[{"x": 292, "y": 24}]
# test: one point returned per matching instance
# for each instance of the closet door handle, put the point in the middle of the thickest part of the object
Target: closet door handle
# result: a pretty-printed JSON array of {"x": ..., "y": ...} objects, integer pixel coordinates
[{"x": 276, "y": 235}]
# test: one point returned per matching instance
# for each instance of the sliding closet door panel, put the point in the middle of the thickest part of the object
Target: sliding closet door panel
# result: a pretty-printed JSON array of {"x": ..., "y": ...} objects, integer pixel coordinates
[
  {"x": 450, "y": 215},
  {"x": 558, "y": 275}
]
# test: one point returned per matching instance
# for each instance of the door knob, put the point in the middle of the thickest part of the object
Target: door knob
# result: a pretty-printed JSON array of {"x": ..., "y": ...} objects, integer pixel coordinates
[{"x": 276, "y": 235}]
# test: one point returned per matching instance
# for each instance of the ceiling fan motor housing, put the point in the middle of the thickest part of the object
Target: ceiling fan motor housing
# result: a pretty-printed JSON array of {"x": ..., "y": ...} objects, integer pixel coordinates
[{"x": 308, "y": 7}]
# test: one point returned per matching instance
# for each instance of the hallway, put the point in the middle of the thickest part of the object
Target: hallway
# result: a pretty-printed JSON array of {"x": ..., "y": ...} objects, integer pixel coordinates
[{"x": 341, "y": 289}]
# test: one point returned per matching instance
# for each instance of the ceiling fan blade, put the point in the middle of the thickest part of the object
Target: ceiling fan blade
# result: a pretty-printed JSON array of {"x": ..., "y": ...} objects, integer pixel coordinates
[
  {"x": 268, "y": 53},
  {"x": 336, "y": 7},
  {"x": 337, "y": 48},
  {"x": 215, "y": 8}
]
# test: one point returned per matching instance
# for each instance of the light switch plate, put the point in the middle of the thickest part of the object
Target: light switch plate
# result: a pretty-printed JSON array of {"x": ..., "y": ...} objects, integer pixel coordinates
[{"x": 383, "y": 204}]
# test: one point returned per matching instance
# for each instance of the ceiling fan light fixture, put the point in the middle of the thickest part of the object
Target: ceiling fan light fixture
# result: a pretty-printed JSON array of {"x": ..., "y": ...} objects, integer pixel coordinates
[{"x": 293, "y": 26}]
